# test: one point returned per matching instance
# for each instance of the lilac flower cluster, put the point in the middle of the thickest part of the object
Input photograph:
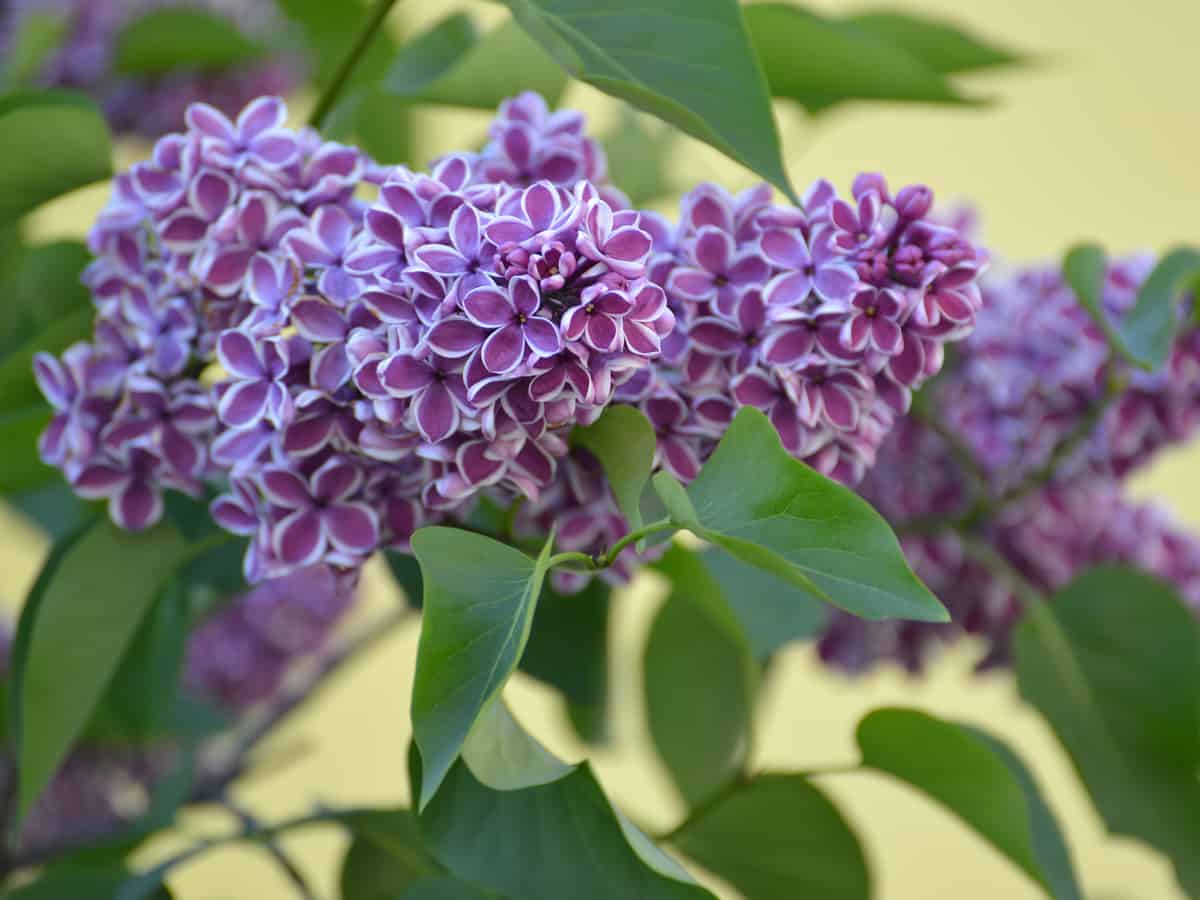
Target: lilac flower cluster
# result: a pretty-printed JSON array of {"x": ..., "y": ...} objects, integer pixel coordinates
[
  {"x": 147, "y": 105},
  {"x": 353, "y": 368},
  {"x": 1036, "y": 372},
  {"x": 237, "y": 658}
]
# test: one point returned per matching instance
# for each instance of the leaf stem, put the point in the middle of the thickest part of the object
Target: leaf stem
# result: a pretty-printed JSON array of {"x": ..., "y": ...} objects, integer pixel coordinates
[
  {"x": 986, "y": 555},
  {"x": 633, "y": 537},
  {"x": 342, "y": 76},
  {"x": 571, "y": 558}
]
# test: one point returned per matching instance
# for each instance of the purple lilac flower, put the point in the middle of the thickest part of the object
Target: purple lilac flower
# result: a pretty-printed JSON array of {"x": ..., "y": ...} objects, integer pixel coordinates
[{"x": 149, "y": 105}]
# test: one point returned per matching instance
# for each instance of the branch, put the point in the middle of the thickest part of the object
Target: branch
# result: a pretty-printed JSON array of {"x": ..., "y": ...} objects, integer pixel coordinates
[{"x": 274, "y": 850}]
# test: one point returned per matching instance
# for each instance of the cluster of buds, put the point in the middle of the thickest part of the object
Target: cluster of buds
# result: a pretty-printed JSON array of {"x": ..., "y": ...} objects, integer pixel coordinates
[
  {"x": 351, "y": 368},
  {"x": 1036, "y": 376},
  {"x": 144, "y": 104},
  {"x": 238, "y": 659}
]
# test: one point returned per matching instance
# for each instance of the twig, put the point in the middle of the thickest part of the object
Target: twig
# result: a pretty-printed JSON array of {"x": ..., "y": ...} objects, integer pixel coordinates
[
  {"x": 274, "y": 850},
  {"x": 338, "y": 83}
]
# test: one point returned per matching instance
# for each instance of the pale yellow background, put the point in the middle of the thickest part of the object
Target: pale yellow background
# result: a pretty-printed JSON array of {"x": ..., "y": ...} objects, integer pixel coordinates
[{"x": 1099, "y": 141}]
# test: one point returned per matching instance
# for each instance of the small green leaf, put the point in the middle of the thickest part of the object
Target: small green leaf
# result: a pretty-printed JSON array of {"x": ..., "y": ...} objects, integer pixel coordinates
[
  {"x": 485, "y": 70},
  {"x": 941, "y": 46},
  {"x": 624, "y": 442},
  {"x": 52, "y": 142},
  {"x": 101, "y": 587},
  {"x": 386, "y": 856},
  {"x": 167, "y": 40},
  {"x": 1113, "y": 664},
  {"x": 568, "y": 650},
  {"x": 502, "y": 755},
  {"x": 1084, "y": 268},
  {"x": 819, "y": 62},
  {"x": 640, "y": 154},
  {"x": 981, "y": 781},
  {"x": 688, "y": 62},
  {"x": 1149, "y": 328},
  {"x": 783, "y": 517},
  {"x": 37, "y": 36},
  {"x": 424, "y": 59},
  {"x": 778, "y": 837},
  {"x": 700, "y": 684},
  {"x": 480, "y": 597},
  {"x": 549, "y": 842}
]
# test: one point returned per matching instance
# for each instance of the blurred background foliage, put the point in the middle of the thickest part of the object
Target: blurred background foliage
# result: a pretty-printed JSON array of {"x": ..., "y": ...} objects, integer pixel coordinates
[{"x": 1093, "y": 137}]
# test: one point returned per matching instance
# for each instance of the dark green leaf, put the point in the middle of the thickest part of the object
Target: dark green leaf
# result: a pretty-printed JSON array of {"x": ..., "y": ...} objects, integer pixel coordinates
[
  {"x": 623, "y": 440},
  {"x": 1149, "y": 328},
  {"x": 101, "y": 588},
  {"x": 819, "y": 62},
  {"x": 480, "y": 597},
  {"x": 1113, "y": 663},
  {"x": 41, "y": 285},
  {"x": 444, "y": 889},
  {"x": 778, "y": 837},
  {"x": 330, "y": 30},
  {"x": 52, "y": 507},
  {"x": 23, "y": 468},
  {"x": 387, "y": 856},
  {"x": 18, "y": 389},
  {"x": 37, "y": 36},
  {"x": 640, "y": 153},
  {"x": 699, "y": 697},
  {"x": 941, "y": 46},
  {"x": 979, "y": 780},
  {"x": 568, "y": 649},
  {"x": 451, "y": 65},
  {"x": 688, "y": 62},
  {"x": 79, "y": 883},
  {"x": 791, "y": 521},
  {"x": 772, "y": 612},
  {"x": 174, "y": 38},
  {"x": 407, "y": 572},
  {"x": 557, "y": 840},
  {"x": 51, "y": 142},
  {"x": 502, "y": 755}
]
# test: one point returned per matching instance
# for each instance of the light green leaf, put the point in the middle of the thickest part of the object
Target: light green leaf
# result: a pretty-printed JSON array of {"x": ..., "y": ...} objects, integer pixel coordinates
[
  {"x": 38, "y": 35},
  {"x": 777, "y": 837},
  {"x": 173, "y": 38},
  {"x": 981, "y": 781},
  {"x": 480, "y": 597},
  {"x": 820, "y": 62},
  {"x": 52, "y": 142},
  {"x": 557, "y": 840},
  {"x": 688, "y": 62},
  {"x": 568, "y": 650},
  {"x": 1113, "y": 664},
  {"x": 1149, "y": 329},
  {"x": 640, "y": 152},
  {"x": 941, "y": 46},
  {"x": 100, "y": 588},
  {"x": 504, "y": 756},
  {"x": 624, "y": 442},
  {"x": 787, "y": 519}
]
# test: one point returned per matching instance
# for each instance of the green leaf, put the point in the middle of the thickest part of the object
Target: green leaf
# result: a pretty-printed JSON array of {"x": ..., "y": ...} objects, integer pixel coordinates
[
  {"x": 23, "y": 468},
  {"x": 51, "y": 142},
  {"x": 981, "y": 781},
  {"x": 1113, "y": 663},
  {"x": 778, "y": 837},
  {"x": 18, "y": 389},
  {"x": 557, "y": 840},
  {"x": 819, "y": 62},
  {"x": 1148, "y": 330},
  {"x": 568, "y": 650},
  {"x": 504, "y": 756},
  {"x": 100, "y": 588},
  {"x": 407, "y": 572},
  {"x": 624, "y": 442},
  {"x": 688, "y": 62},
  {"x": 167, "y": 40},
  {"x": 480, "y": 597},
  {"x": 38, "y": 35},
  {"x": 700, "y": 685},
  {"x": 387, "y": 856},
  {"x": 443, "y": 889},
  {"x": 452, "y": 65},
  {"x": 640, "y": 152},
  {"x": 330, "y": 30},
  {"x": 789, "y": 520},
  {"x": 79, "y": 883},
  {"x": 43, "y": 285},
  {"x": 772, "y": 612},
  {"x": 941, "y": 46}
]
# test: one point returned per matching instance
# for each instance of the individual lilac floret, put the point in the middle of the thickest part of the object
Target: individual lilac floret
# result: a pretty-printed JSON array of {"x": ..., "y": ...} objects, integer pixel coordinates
[{"x": 149, "y": 105}]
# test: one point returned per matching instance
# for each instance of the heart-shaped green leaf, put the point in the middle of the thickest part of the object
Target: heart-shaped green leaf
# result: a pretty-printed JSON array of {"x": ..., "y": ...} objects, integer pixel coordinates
[{"x": 174, "y": 38}]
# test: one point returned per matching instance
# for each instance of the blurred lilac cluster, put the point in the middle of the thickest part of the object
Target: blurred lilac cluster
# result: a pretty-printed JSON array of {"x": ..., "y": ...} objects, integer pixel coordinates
[
  {"x": 1034, "y": 374},
  {"x": 147, "y": 105},
  {"x": 382, "y": 363},
  {"x": 236, "y": 659}
]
